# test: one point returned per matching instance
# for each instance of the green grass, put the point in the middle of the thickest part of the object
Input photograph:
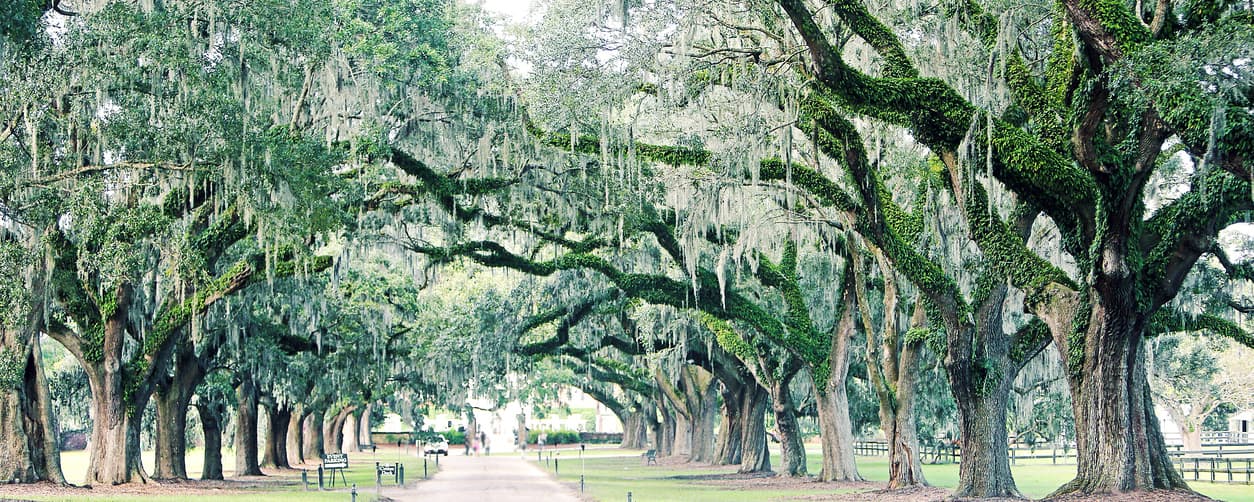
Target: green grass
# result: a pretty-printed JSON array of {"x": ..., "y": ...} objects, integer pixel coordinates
[
  {"x": 610, "y": 478},
  {"x": 278, "y": 486}
]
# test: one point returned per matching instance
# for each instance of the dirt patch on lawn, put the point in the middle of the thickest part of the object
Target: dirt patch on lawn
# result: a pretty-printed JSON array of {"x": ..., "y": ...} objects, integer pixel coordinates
[{"x": 1137, "y": 496}]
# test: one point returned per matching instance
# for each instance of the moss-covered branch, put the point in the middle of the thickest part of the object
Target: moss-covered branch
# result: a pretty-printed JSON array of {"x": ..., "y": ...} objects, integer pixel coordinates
[{"x": 1172, "y": 321}]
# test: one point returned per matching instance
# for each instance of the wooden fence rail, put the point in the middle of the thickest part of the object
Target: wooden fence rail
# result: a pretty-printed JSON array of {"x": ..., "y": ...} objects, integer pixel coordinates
[{"x": 1219, "y": 465}]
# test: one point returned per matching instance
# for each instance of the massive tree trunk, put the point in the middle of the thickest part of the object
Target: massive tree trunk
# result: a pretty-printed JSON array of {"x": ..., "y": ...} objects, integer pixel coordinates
[
  {"x": 985, "y": 468},
  {"x": 246, "y": 461},
  {"x": 28, "y": 440},
  {"x": 665, "y": 432},
  {"x": 363, "y": 426},
  {"x": 279, "y": 416},
  {"x": 982, "y": 368},
  {"x": 333, "y": 436},
  {"x": 170, "y": 434},
  {"x": 755, "y": 455},
  {"x": 832, "y": 401},
  {"x": 635, "y": 431},
  {"x": 211, "y": 424},
  {"x": 702, "y": 397},
  {"x": 295, "y": 435},
  {"x": 892, "y": 365},
  {"x": 172, "y": 396},
  {"x": 114, "y": 457},
  {"x": 312, "y": 447},
  {"x": 792, "y": 451},
  {"x": 730, "y": 447},
  {"x": 1119, "y": 446}
]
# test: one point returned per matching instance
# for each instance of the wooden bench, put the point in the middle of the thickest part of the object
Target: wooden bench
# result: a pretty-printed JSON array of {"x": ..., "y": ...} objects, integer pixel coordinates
[{"x": 649, "y": 457}]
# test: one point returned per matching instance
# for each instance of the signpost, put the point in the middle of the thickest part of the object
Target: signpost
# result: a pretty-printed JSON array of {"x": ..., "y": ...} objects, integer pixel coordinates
[
  {"x": 333, "y": 462},
  {"x": 395, "y": 471}
]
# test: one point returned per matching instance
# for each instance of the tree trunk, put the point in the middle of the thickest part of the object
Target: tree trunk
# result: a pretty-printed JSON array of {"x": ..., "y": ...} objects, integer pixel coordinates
[
  {"x": 665, "y": 440},
  {"x": 704, "y": 406},
  {"x": 279, "y": 415},
  {"x": 295, "y": 435},
  {"x": 246, "y": 461},
  {"x": 985, "y": 468},
  {"x": 363, "y": 427},
  {"x": 1118, "y": 444},
  {"x": 28, "y": 441},
  {"x": 114, "y": 457},
  {"x": 635, "y": 431},
  {"x": 1191, "y": 438},
  {"x": 755, "y": 455},
  {"x": 905, "y": 466},
  {"x": 334, "y": 434},
  {"x": 350, "y": 439},
  {"x": 211, "y": 425},
  {"x": 521, "y": 431},
  {"x": 312, "y": 448},
  {"x": 832, "y": 401},
  {"x": 171, "y": 433},
  {"x": 792, "y": 451},
  {"x": 730, "y": 448}
]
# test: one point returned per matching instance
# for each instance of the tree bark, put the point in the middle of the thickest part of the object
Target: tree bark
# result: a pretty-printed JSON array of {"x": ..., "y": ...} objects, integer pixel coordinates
[
  {"x": 246, "y": 461},
  {"x": 170, "y": 434},
  {"x": 28, "y": 441},
  {"x": 363, "y": 426},
  {"x": 211, "y": 425},
  {"x": 755, "y": 455},
  {"x": 295, "y": 435},
  {"x": 312, "y": 447},
  {"x": 665, "y": 434},
  {"x": 832, "y": 401},
  {"x": 792, "y": 451},
  {"x": 702, "y": 397},
  {"x": 350, "y": 439},
  {"x": 1119, "y": 446},
  {"x": 635, "y": 431},
  {"x": 730, "y": 447},
  {"x": 334, "y": 434},
  {"x": 279, "y": 415},
  {"x": 114, "y": 457}
]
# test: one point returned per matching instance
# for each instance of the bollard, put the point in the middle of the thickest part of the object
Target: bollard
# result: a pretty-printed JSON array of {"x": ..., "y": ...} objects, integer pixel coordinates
[
  {"x": 555, "y": 466},
  {"x": 628, "y": 496},
  {"x": 424, "y": 467},
  {"x": 581, "y": 483},
  {"x": 400, "y": 474},
  {"x": 378, "y": 478},
  {"x": 537, "y": 455},
  {"x": 354, "y": 492},
  {"x": 304, "y": 479},
  {"x": 320, "y": 485}
]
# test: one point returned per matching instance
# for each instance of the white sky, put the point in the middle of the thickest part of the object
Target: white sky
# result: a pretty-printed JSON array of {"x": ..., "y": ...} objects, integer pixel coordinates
[{"x": 515, "y": 10}]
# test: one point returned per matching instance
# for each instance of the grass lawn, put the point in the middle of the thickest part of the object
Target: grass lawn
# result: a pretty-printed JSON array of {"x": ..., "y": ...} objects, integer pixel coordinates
[
  {"x": 610, "y": 478},
  {"x": 276, "y": 486}
]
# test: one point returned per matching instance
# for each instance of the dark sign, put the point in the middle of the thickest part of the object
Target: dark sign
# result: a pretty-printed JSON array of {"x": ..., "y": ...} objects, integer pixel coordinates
[
  {"x": 335, "y": 461},
  {"x": 387, "y": 469}
]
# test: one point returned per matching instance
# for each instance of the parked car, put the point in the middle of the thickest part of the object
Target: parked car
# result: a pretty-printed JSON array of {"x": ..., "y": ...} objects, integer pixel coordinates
[{"x": 436, "y": 445}]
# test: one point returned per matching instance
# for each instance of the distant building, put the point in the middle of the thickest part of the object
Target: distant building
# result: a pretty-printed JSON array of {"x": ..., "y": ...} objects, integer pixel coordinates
[{"x": 1241, "y": 425}]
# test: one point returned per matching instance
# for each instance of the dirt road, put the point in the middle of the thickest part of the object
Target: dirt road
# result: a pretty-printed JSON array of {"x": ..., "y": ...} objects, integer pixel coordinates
[{"x": 485, "y": 479}]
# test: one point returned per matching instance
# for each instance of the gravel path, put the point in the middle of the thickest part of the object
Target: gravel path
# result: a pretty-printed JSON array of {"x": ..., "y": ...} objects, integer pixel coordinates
[{"x": 485, "y": 479}]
